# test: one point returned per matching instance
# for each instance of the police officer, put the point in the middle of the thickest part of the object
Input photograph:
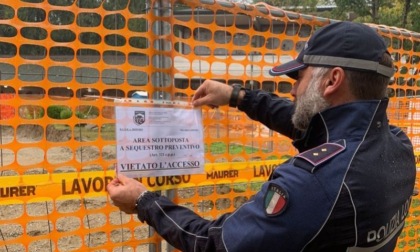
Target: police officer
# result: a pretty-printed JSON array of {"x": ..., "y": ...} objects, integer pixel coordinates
[{"x": 350, "y": 186}]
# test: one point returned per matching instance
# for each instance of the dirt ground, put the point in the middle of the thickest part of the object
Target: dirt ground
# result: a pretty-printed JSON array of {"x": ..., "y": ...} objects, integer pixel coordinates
[
  {"x": 33, "y": 228},
  {"x": 33, "y": 134},
  {"x": 65, "y": 224}
]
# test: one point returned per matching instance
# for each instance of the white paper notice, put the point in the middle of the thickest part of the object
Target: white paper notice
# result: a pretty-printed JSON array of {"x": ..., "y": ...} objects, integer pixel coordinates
[{"x": 157, "y": 141}]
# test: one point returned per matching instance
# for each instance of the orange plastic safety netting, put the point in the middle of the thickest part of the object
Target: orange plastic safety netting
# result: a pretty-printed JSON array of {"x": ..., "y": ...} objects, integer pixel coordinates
[{"x": 63, "y": 62}]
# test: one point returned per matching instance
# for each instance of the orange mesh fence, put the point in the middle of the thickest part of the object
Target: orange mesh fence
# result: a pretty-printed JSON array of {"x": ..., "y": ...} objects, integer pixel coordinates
[{"x": 63, "y": 62}]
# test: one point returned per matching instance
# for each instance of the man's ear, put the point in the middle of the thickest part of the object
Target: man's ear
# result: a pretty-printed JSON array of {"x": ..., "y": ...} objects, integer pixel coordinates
[{"x": 334, "y": 81}]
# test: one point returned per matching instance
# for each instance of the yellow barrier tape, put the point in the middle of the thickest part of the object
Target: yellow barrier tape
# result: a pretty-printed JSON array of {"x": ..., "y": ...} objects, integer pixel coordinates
[{"x": 27, "y": 187}]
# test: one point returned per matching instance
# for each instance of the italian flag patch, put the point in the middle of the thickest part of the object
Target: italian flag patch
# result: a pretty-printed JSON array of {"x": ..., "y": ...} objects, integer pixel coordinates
[{"x": 275, "y": 200}]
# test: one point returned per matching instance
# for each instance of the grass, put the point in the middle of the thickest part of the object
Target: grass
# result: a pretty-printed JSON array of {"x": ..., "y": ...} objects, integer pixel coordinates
[{"x": 221, "y": 148}]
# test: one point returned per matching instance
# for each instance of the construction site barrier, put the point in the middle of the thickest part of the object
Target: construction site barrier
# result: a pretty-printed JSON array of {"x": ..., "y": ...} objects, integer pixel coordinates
[{"x": 62, "y": 64}]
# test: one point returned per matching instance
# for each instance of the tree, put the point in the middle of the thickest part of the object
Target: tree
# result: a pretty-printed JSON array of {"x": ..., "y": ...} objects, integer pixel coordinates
[
  {"x": 363, "y": 8},
  {"x": 390, "y": 16},
  {"x": 399, "y": 13},
  {"x": 402, "y": 13},
  {"x": 407, "y": 6},
  {"x": 411, "y": 15},
  {"x": 293, "y": 5},
  {"x": 414, "y": 17}
]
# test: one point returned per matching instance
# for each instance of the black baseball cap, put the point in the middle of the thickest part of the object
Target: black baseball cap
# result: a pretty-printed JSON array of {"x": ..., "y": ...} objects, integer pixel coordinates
[{"x": 343, "y": 44}]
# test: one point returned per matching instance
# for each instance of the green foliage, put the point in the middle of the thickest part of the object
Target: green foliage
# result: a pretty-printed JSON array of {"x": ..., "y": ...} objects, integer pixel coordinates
[
  {"x": 386, "y": 12},
  {"x": 402, "y": 244},
  {"x": 54, "y": 112},
  {"x": 411, "y": 232},
  {"x": 6, "y": 12},
  {"x": 294, "y": 5},
  {"x": 139, "y": 42},
  {"x": 31, "y": 112},
  {"x": 272, "y": 157},
  {"x": 218, "y": 148},
  {"x": 391, "y": 16},
  {"x": 80, "y": 115},
  {"x": 414, "y": 17},
  {"x": 415, "y": 203},
  {"x": 7, "y": 30},
  {"x": 237, "y": 149},
  {"x": 114, "y": 21},
  {"x": 40, "y": 113},
  {"x": 240, "y": 187},
  {"x": 59, "y": 112},
  {"x": 30, "y": 14},
  {"x": 61, "y": 2},
  {"x": 65, "y": 114},
  {"x": 137, "y": 24},
  {"x": 86, "y": 19},
  {"x": 416, "y": 213},
  {"x": 88, "y": 4},
  {"x": 115, "y": 5},
  {"x": 86, "y": 112},
  {"x": 139, "y": 6},
  {"x": 234, "y": 149},
  {"x": 256, "y": 186}
]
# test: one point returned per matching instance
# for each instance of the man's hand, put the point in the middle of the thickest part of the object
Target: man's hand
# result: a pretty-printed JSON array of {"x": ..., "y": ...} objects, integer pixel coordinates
[
  {"x": 124, "y": 192},
  {"x": 212, "y": 93}
]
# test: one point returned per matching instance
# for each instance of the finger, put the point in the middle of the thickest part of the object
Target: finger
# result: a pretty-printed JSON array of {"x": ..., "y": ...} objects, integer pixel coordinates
[
  {"x": 112, "y": 184},
  {"x": 111, "y": 187},
  {"x": 200, "y": 92},
  {"x": 206, "y": 100},
  {"x": 111, "y": 190},
  {"x": 123, "y": 179},
  {"x": 115, "y": 181}
]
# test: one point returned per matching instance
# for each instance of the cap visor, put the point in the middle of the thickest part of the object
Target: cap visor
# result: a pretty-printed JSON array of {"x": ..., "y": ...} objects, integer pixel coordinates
[{"x": 290, "y": 69}]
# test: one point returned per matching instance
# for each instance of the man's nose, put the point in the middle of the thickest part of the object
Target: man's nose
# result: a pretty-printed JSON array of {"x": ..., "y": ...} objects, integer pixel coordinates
[{"x": 294, "y": 88}]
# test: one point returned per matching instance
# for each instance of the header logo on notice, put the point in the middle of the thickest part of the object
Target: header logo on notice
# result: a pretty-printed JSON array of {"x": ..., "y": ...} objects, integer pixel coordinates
[{"x": 139, "y": 117}]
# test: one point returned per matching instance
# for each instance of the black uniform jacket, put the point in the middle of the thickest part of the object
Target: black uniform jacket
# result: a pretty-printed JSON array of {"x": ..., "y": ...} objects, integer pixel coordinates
[{"x": 348, "y": 189}]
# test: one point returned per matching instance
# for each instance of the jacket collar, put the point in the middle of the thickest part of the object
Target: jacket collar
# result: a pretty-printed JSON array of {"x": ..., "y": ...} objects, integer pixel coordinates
[{"x": 350, "y": 120}]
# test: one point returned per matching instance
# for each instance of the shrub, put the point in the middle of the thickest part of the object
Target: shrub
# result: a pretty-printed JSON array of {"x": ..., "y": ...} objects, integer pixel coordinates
[
  {"x": 65, "y": 113},
  {"x": 59, "y": 112}
]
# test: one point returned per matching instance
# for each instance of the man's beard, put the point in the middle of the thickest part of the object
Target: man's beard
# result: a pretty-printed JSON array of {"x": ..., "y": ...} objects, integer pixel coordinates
[{"x": 309, "y": 104}]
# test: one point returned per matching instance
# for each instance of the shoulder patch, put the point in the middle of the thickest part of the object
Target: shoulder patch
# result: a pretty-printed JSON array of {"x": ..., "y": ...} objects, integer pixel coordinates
[
  {"x": 275, "y": 200},
  {"x": 319, "y": 154}
]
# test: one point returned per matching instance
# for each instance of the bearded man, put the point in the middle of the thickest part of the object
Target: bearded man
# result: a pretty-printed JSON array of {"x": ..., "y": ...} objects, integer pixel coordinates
[{"x": 350, "y": 186}]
